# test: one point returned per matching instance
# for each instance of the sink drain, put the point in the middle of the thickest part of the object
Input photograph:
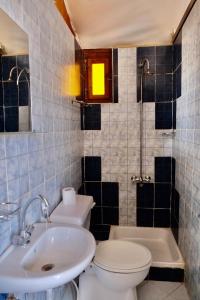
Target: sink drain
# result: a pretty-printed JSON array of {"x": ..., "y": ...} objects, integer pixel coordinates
[{"x": 47, "y": 267}]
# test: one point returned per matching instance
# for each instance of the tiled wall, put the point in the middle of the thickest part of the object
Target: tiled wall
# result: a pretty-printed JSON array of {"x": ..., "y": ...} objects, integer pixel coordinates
[
  {"x": 14, "y": 99},
  {"x": 154, "y": 200},
  {"x": 105, "y": 194},
  {"x": 117, "y": 141},
  {"x": 44, "y": 161},
  {"x": 186, "y": 150}
]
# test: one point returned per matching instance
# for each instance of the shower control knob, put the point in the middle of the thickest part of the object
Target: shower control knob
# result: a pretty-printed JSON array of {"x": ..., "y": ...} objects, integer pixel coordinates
[
  {"x": 147, "y": 178},
  {"x": 135, "y": 179}
]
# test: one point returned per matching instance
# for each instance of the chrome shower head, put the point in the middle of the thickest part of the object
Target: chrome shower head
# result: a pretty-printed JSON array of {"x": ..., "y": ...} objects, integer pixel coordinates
[{"x": 145, "y": 66}]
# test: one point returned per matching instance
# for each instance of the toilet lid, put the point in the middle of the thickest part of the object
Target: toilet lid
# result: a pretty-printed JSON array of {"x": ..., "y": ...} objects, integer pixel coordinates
[{"x": 121, "y": 256}]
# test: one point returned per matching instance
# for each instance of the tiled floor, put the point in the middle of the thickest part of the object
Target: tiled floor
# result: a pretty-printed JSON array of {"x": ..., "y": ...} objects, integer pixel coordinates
[{"x": 160, "y": 290}]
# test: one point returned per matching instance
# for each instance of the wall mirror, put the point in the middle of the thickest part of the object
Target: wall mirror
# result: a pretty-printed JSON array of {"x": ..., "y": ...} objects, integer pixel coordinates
[{"x": 14, "y": 77}]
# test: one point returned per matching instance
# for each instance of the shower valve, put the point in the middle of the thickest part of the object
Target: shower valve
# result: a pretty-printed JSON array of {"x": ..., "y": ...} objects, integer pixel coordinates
[
  {"x": 136, "y": 179},
  {"x": 147, "y": 179}
]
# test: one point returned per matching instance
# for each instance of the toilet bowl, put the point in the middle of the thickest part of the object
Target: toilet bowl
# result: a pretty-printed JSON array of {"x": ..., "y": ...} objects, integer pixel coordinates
[
  {"x": 121, "y": 265},
  {"x": 118, "y": 266}
]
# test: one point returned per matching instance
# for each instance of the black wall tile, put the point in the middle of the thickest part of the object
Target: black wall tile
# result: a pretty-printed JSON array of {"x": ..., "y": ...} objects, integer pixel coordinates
[
  {"x": 11, "y": 119},
  {"x": 23, "y": 93},
  {"x": 111, "y": 215},
  {"x": 162, "y": 195},
  {"x": 1, "y": 93},
  {"x": 163, "y": 169},
  {"x": 8, "y": 62},
  {"x": 91, "y": 117},
  {"x": 1, "y": 119},
  {"x": 164, "y": 59},
  {"x": 100, "y": 232},
  {"x": 145, "y": 195},
  {"x": 175, "y": 204},
  {"x": 110, "y": 194},
  {"x": 178, "y": 82},
  {"x": 146, "y": 52},
  {"x": 144, "y": 217},
  {"x": 149, "y": 88},
  {"x": 177, "y": 51},
  {"x": 92, "y": 168},
  {"x": 162, "y": 218},
  {"x": 163, "y": 117},
  {"x": 174, "y": 114},
  {"x": 22, "y": 61},
  {"x": 164, "y": 92},
  {"x": 96, "y": 216},
  {"x": 94, "y": 189},
  {"x": 156, "y": 87},
  {"x": 10, "y": 94}
]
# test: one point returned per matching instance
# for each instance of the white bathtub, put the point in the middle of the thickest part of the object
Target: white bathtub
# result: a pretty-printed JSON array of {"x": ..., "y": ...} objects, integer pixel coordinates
[{"x": 160, "y": 241}]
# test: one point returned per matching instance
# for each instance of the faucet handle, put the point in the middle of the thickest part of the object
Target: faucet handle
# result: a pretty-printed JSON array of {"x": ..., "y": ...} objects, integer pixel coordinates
[{"x": 29, "y": 229}]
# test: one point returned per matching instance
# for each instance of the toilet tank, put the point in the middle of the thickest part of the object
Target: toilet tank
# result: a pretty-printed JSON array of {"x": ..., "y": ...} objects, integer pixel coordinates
[{"x": 76, "y": 214}]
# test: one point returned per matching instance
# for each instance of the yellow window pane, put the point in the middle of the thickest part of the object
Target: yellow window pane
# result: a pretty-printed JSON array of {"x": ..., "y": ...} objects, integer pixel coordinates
[{"x": 98, "y": 79}]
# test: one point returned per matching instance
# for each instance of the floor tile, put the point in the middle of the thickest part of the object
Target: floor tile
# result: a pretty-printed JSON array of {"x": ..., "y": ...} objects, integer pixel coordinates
[{"x": 159, "y": 290}]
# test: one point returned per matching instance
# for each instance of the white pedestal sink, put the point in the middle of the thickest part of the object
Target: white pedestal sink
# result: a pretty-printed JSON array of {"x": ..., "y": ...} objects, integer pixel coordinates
[{"x": 55, "y": 255}]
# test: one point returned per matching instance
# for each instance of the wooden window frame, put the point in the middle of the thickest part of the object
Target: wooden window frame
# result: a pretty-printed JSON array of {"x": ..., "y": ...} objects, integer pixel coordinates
[{"x": 98, "y": 56}]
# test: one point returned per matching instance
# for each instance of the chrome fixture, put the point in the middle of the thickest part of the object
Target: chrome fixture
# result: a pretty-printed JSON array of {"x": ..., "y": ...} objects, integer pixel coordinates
[
  {"x": 169, "y": 133},
  {"x": 141, "y": 179},
  {"x": 11, "y": 72},
  {"x": 21, "y": 71},
  {"x": 81, "y": 102},
  {"x": 24, "y": 70},
  {"x": 144, "y": 65},
  {"x": 25, "y": 231}
]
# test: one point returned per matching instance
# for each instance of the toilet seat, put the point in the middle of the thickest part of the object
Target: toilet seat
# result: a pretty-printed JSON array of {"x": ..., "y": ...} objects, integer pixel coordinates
[{"x": 122, "y": 256}]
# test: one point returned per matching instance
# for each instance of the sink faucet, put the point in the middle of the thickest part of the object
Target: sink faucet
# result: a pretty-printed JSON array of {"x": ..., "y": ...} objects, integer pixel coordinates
[{"x": 25, "y": 231}]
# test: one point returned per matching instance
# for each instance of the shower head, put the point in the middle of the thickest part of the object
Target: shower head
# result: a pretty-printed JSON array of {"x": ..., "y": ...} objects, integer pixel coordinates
[
  {"x": 11, "y": 72},
  {"x": 145, "y": 66}
]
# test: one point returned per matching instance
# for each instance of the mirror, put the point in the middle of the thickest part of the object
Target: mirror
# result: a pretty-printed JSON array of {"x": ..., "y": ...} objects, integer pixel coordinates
[{"x": 14, "y": 77}]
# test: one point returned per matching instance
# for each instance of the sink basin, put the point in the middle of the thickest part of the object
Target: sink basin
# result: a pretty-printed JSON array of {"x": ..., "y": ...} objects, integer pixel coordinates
[{"x": 55, "y": 255}]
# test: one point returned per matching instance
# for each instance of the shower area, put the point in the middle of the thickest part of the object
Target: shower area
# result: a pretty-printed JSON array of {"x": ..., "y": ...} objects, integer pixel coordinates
[
  {"x": 157, "y": 199},
  {"x": 128, "y": 164}
]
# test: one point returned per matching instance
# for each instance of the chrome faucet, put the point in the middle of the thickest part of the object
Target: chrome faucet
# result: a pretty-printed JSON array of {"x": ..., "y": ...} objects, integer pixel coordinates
[
  {"x": 140, "y": 179},
  {"x": 25, "y": 71},
  {"x": 23, "y": 237}
]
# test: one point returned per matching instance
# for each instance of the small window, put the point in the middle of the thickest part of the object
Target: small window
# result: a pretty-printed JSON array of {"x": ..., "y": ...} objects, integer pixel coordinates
[{"x": 98, "y": 75}]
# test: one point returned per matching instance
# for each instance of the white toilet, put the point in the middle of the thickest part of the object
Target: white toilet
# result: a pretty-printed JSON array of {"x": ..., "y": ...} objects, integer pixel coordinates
[{"x": 118, "y": 266}]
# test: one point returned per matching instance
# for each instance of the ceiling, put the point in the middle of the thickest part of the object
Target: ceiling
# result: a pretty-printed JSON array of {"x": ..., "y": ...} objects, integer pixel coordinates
[{"x": 125, "y": 23}]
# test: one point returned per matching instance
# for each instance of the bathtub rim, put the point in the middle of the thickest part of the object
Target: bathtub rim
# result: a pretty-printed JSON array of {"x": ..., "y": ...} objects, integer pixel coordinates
[{"x": 177, "y": 264}]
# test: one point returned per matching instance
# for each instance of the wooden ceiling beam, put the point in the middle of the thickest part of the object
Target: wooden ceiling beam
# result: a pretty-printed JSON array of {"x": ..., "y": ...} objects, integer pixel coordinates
[{"x": 60, "y": 4}]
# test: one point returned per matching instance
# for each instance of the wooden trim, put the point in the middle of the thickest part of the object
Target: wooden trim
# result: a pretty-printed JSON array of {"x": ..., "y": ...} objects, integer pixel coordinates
[
  {"x": 60, "y": 4},
  {"x": 98, "y": 56},
  {"x": 184, "y": 18}
]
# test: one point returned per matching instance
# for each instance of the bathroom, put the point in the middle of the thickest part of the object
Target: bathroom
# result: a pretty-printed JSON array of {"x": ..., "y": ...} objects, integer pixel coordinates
[{"x": 102, "y": 149}]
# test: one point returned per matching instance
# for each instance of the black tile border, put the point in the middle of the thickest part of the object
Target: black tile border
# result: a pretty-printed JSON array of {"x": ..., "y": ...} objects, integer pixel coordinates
[
  {"x": 91, "y": 168},
  {"x": 91, "y": 117},
  {"x": 166, "y": 274}
]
